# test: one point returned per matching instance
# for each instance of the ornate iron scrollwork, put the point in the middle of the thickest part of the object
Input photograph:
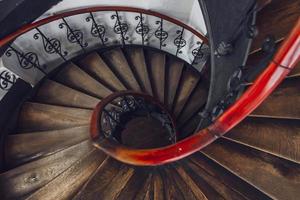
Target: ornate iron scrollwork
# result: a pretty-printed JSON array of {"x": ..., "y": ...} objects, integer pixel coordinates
[
  {"x": 120, "y": 27},
  {"x": 179, "y": 41},
  {"x": 114, "y": 117},
  {"x": 51, "y": 45},
  {"x": 141, "y": 28},
  {"x": 199, "y": 53},
  {"x": 26, "y": 60},
  {"x": 161, "y": 34},
  {"x": 97, "y": 30},
  {"x": 73, "y": 35},
  {"x": 7, "y": 79}
]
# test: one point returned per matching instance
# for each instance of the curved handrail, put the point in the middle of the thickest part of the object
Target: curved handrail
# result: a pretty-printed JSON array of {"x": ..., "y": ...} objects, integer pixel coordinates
[
  {"x": 284, "y": 61},
  {"x": 41, "y": 22}
]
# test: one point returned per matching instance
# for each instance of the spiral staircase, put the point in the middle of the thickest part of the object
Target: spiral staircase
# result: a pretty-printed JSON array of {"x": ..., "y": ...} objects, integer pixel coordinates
[{"x": 61, "y": 139}]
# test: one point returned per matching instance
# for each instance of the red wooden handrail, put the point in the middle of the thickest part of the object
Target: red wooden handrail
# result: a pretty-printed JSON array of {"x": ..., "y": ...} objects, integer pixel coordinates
[
  {"x": 284, "y": 61},
  {"x": 36, "y": 24}
]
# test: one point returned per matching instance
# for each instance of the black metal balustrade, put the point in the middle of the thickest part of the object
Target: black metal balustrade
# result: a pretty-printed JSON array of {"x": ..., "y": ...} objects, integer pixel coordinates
[{"x": 45, "y": 46}]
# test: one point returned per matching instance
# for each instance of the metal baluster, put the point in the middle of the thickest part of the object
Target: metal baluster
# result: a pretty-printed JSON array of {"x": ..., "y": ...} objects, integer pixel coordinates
[
  {"x": 74, "y": 35},
  {"x": 179, "y": 41},
  {"x": 56, "y": 49},
  {"x": 121, "y": 29},
  {"x": 19, "y": 54},
  {"x": 196, "y": 52},
  {"x": 97, "y": 28}
]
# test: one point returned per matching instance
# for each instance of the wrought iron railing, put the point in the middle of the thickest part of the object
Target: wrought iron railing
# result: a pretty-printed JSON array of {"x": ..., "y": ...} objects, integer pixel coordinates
[{"x": 39, "y": 48}]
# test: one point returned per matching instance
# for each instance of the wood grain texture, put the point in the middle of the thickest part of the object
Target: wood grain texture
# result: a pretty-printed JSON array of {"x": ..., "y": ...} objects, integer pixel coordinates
[
  {"x": 215, "y": 183},
  {"x": 51, "y": 92},
  {"x": 189, "y": 127},
  {"x": 96, "y": 67},
  {"x": 74, "y": 77},
  {"x": 188, "y": 82},
  {"x": 117, "y": 184},
  {"x": 174, "y": 70},
  {"x": 186, "y": 184},
  {"x": 170, "y": 189},
  {"x": 25, "y": 147},
  {"x": 42, "y": 117},
  {"x": 224, "y": 176},
  {"x": 156, "y": 62},
  {"x": 278, "y": 178},
  {"x": 116, "y": 60},
  {"x": 276, "y": 136},
  {"x": 137, "y": 60},
  {"x": 101, "y": 179},
  {"x": 195, "y": 102},
  {"x": 135, "y": 184},
  {"x": 284, "y": 102},
  {"x": 144, "y": 190},
  {"x": 158, "y": 186},
  {"x": 70, "y": 181},
  {"x": 21, "y": 181},
  {"x": 277, "y": 19}
]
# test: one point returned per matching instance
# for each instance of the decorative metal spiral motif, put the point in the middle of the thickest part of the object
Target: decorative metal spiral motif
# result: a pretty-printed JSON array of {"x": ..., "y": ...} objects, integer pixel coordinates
[
  {"x": 197, "y": 52},
  {"x": 161, "y": 34},
  {"x": 74, "y": 35},
  {"x": 179, "y": 41},
  {"x": 27, "y": 61},
  {"x": 141, "y": 28},
  {"x": 51, "y": 46},
  {"x": 97, "y": 30},
  {"x": 7, "y": 79},
  {"x": 120, "y": 27}
]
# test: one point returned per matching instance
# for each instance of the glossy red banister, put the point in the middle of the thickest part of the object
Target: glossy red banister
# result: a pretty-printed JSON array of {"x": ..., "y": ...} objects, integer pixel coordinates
[{"x": 284, "y": 61}]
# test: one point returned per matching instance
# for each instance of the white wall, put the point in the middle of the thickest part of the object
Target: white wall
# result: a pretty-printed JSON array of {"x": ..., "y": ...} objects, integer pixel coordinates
[{"x": 187, "y": 11}]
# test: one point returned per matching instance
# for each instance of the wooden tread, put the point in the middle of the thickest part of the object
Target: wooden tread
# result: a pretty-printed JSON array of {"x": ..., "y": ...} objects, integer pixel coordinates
[
  {"x": 42, "y": 117},
  {"x": 264, "y": 171},
  {"x": 51, "y": 92},
  {"x": 25, "y": 147},
  {"x": 74, "y": 77}
]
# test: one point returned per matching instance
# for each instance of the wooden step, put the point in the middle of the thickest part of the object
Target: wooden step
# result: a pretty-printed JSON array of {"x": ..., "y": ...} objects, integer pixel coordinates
[
  {"x": 101, "y": 179},
  {"x": 284, "y": 102},
  {"x": 51, "y": 92},
  {"x": 189, "y": 127},
  {"x": 71, "y": 180},
  {"x": 135, "y": 184},
  {"x": 118, "y": 63},
  {"x": 74, "y": 77},
  {"x": 194, "y": 104},
  {"x": 197, "y": 183},
  {"x": 174, "y": 70},
  {"x": 188, "y": 82},
  {"x": 137, "y": 60},
  {"x": 215, "y": 171},
  {"x": 170, "y": 189},
  {"x": 144, "y": 191},
  {"x": 256, "y": 57},
  {"x": 278, "y": 178},
  {"x": 116, "y": 184},
  {"x": 42, "y": 117},
  {"x": 186, "y": 184},
  {"x": 96, "y": 67},
  {"x": 275, "y": 136},
  {"x": 158, "y": 186},
  {"x": 19, "y": 182},
  {"x": 156, "y": 62},
  {"x": 220, "y": 188},
  {"x": 25, "y": 147},
  {"x": 276, "y": 19}
]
